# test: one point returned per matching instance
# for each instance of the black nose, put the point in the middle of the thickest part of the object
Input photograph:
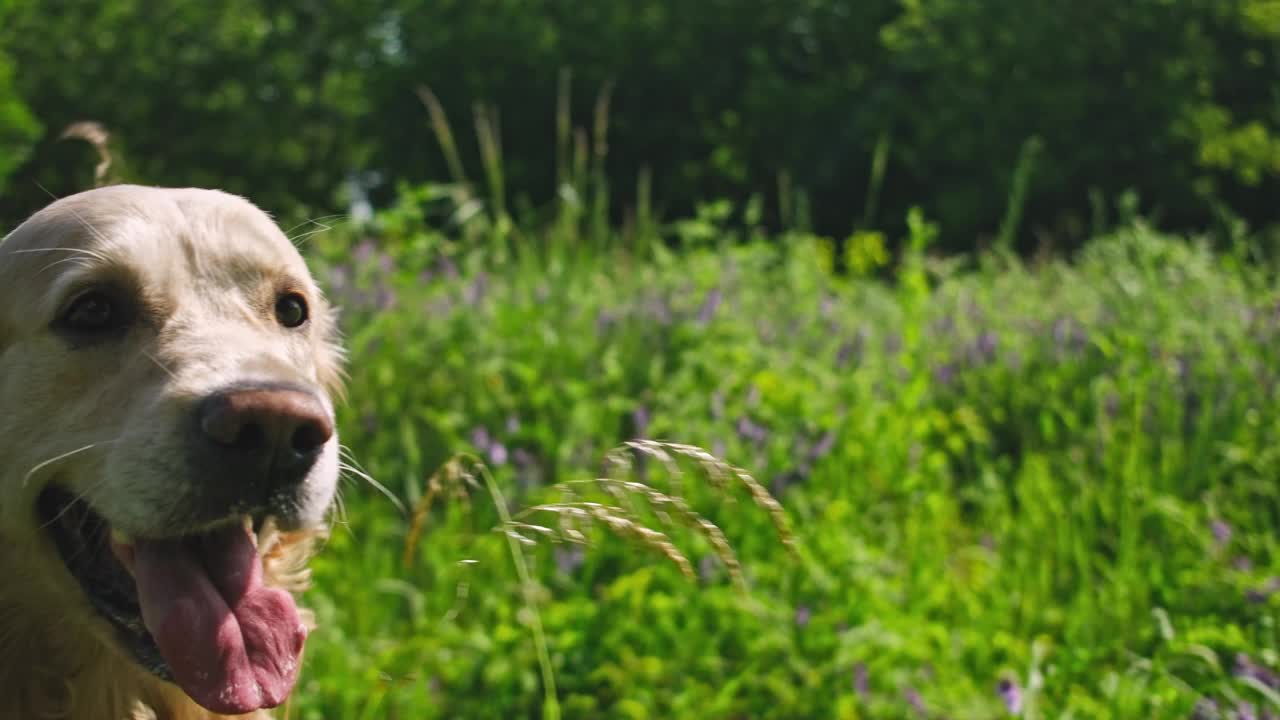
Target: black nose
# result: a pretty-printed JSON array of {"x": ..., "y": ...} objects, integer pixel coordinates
[{"x": 269, "y": 434}]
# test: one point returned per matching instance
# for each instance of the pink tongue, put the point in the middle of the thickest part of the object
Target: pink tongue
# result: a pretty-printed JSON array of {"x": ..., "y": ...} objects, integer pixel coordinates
[{"x": 232, "y": 643}]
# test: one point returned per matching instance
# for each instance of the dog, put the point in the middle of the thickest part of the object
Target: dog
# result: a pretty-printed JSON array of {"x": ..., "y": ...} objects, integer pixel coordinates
[{"x": 168, "y": 456}]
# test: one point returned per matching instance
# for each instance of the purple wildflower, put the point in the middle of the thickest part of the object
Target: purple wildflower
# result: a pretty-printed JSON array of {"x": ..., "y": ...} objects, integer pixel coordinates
[
  {"x": 1246, "y": 667},
  {"x": 985, "y": 346},
  {"x": 1182, "y": 363},
  {"x": 708, "y": 567},
  {"x": 861, "y": 680},
  {"x": 783, "y": 480},
  {"x": 717, "y": 405},
  {"x": 475, "y": 292},
  {"x": 497, "y": 453},
  {"x": 604, "y": 321},
  {"x": 528, "y": 469},
  {"x": 1221, "y": 533},
  {"x": 488, "y": 446},
  {"x": 845, "y": 353},
  {"x": 1246, "y": 711},
  {"x": 803, "y": 615},
  {"x": 1011, "y": 693},
  {"x": 748, "y": 429},
  {"x": 708, "y": 310},
  {"x": 1205, "y": 709},
  {"x": 569, "y": 559},
  {"x": 1062, "y": 332},
  {"x": 640, "y": 420},
  {"x": 1262, "y": 594},
  {"x": 658, "y": 310},
  {"x": 386, "y": 298},
  {"x": 339, "y": 278},
  {"x": 1111, "y": 405},
  {"x": 824, "y": 446},
  {"x": 364, "y": 251},
  {"x": 914, "y": 699},
  {"x": 945, "y": 374}
]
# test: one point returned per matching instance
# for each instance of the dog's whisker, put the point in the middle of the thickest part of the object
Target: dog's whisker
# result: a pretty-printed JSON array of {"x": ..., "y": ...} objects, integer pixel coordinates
[
  {"x": 376, "y": 485},
  {"x": 159, "y": 364},
  {"x": 298, "y": 239},
  {"x": 95, "y": 232},
  {"x": 77, "y": 255},
  {"x": 46, "y": 191},
  {"x": 314, "y": 221},
  {"x": 77, "y": 260},
  {"x": 340, "y": 510},
  {"x": 83, "y": 251},
  {"x": 345, "y": 453},
  {"x": 59, "y": 458}
]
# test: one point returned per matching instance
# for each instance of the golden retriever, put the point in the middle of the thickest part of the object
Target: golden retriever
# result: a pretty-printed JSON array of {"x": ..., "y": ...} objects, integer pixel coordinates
[{"x": 167, "y": 456}]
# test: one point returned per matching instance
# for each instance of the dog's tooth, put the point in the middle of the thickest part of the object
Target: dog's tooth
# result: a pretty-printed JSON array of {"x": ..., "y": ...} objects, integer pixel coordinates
[
  {"x": 122, "y": 548},
  {"x": 248, "y": 528}
]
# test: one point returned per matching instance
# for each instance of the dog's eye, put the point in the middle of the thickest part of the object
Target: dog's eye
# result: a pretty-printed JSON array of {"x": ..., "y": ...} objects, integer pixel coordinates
[
  {"x": 93, "y": 312},
  {"x": 291, "y": 310}
]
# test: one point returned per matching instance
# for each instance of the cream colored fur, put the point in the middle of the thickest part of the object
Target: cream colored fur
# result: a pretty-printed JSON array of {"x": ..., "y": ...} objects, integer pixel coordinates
[{"x": 107, "y": 425}]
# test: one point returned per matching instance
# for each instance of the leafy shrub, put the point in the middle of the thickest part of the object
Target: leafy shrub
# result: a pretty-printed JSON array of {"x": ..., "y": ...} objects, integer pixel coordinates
[
  {"x": 18, "y": 129},
  {"x": 868, "y": 107}
]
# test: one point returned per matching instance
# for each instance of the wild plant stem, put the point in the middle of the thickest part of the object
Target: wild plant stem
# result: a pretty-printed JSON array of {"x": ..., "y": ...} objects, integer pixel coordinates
[{"x": 550, "y": 704}]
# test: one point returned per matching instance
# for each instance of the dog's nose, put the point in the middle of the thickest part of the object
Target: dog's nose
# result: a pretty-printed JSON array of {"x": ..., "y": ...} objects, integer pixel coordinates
[{"x": 275, "y": 433}]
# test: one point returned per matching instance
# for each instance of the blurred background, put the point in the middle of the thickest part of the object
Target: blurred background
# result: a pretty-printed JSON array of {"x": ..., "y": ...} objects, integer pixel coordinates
[{"x": 982, "y": 291}]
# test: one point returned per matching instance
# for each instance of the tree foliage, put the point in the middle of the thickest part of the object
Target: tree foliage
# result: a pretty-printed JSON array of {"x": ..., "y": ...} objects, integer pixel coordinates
[{"x": 721, "y": 98}]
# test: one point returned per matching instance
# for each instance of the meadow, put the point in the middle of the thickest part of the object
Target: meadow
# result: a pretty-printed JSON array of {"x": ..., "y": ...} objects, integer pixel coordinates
[
  {"x": 613, "y": 452},
  {"x": 1013, "y": 488}
]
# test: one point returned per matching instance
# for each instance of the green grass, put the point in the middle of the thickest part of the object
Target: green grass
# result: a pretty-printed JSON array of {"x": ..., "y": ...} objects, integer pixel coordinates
[{"x": 996, "y": 473}]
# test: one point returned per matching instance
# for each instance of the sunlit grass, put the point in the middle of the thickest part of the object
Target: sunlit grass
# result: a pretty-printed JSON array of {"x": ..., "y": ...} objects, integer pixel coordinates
[{"x": 1051, "y": 489}]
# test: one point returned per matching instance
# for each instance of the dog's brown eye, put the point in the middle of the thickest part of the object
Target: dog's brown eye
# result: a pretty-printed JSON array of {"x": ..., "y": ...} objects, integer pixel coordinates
[
  {"x": 291, "y": 310},
  {"x": 92, "y": 312}
]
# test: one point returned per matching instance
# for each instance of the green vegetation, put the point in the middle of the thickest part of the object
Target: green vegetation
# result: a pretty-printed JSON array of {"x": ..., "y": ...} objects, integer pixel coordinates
[
  {"x": 1055, "y": 481},
  {"x": 1010, "y": 486},
  {"x": 718, "y": 98}
]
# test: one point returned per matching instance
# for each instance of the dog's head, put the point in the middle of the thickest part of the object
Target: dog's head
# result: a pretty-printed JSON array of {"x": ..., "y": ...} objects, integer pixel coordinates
[{"x": 166, "y": 372}]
